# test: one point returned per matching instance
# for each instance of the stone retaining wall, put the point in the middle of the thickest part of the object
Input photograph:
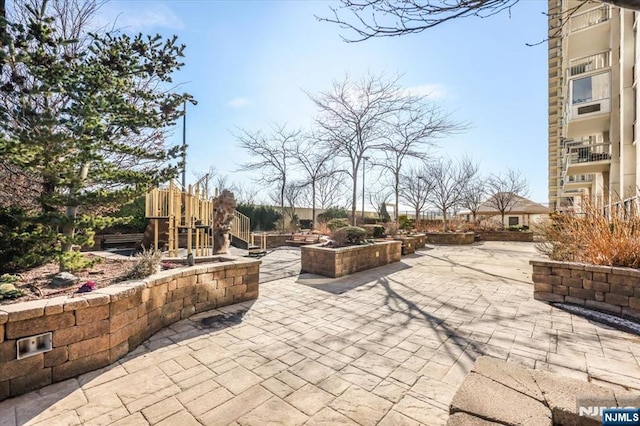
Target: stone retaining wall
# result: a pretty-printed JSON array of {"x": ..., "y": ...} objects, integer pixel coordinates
[
  {"x": 95, "y": 329},
  {"x": 611, "y": 289},
  {"x": 333, "y": 263},
  {"x": 408, "y": 244},
  {"x": 420, "y": 240},
  {"x": 450, "y": 237},
  {"x": 524, "y": 236}
]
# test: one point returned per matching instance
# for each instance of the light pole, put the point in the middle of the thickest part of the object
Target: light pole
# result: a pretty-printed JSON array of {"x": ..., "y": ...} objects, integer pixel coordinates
[
  {"x": 184, "y": 146},
  {"x": 363, "y": 168}
]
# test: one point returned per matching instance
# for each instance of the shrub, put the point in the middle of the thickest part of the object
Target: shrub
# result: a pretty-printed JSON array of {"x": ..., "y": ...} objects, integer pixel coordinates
[
  {"x": 262, "y": 218},
  {"x": 73, "y": 261},
  {"x": 147, "y": 263},
  {"x": 332, "y": 213},
  {"x": 9, "y": 279},
  {"x": 334, "y": 224},
  {"x": 131, "y": 218},
  {"x": 348, "y": 235},
  {"x": 24, "y": 243},
  {"x": 384, "y": 214},
  {"x": 374, "y": 231},
  {"x": 405, "y": 223},
  {"x": 323, "y": 229},
  {"x": 9, "y": 291},
  {"x": 590, "y": 237},
  {"x": 306, "y": 223},
  {"x": 390, "y": 229}
]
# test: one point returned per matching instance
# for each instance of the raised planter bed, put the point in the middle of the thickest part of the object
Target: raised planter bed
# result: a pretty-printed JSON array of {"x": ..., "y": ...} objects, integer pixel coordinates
[
  {"x": 95, "y": 329},
  {"x": 524, "y": 236},
  {"x": 605, "y": 288},
  {"x": 337, "y": 262},
  {"x": 408, "y": 244},
  {"x": 450, "y": 238},
  {"x": 420, "y": 240}
]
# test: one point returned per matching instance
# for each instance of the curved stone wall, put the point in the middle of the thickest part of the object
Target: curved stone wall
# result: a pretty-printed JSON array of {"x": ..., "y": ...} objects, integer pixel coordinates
[{"x": 95, "y": 329}]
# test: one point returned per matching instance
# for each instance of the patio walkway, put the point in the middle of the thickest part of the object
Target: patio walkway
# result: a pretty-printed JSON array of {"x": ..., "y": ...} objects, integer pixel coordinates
[{"x": 388, "y": 346}]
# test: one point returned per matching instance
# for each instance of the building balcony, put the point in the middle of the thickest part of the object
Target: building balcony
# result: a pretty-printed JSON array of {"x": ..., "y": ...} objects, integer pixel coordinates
[
  {"x": 578, "y": 181},
  {"x": 590, "y": 123},
  {"x": 589, "y": 105},
  {"x": 588, "y": 159},
  {"x": 589, "y": 32}
]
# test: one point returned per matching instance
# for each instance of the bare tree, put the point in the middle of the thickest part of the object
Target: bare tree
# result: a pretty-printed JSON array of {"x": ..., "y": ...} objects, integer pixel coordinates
[
  {"x": 415, "y": 188},
  {"x": 449, "y": 181},
  {"x": 273, "y": 153},
  {"x": 245, "y": 194},
  {"x": 412, "y": 132},
  {"x": 473, "y": 195},
  {"x": 379, "y": 198},
  {"x": 316, "y": 165},
  {"x": 352, "y": 119},
  {"x": 331, "y": 191},
  {"x": 292, "y": 195},
  {"x": 505, "y": 190},
  {"x": 384, "y": 18}
]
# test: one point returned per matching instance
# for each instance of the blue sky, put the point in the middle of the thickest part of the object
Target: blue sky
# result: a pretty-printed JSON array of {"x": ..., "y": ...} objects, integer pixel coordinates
[{"x": 247, "y": 63}]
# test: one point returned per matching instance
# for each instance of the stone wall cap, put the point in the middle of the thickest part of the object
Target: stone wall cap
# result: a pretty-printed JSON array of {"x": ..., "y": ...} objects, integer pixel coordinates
[
  {"x": 55, "y": 305},
  {"x": 96, "y": 299},
  {"x": 75, "y": 303},
  {"x": 557, "y": 264},
  {"x": 628, "y": 272},
  {"x": 598, "y": 268},
  {"x": 349, "y": 248},
  {"x": 24, "y": 310}
]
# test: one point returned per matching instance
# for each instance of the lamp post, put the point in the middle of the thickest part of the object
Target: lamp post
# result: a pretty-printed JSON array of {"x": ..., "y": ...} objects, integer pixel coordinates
[
  {"x": 184, "y": 147},
  {"x": 363, "y": 168}
]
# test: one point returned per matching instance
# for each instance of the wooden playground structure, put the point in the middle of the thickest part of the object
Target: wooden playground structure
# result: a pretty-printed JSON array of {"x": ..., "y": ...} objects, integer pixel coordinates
[{"x": 189, "y": 210}]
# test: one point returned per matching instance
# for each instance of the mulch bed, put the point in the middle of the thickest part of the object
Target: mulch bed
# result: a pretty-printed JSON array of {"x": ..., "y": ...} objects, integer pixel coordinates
[{"x": 36, "y": 282}]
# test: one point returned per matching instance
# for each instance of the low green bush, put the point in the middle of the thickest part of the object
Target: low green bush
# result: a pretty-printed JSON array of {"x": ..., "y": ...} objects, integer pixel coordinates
[
  {"x": 335, "y": 224},
  {"x": 374, "y": 231},
  {"x": 332, "y": 213},
  {"x": 405, "y": 223},
  {"x": 349, "y": 235}
]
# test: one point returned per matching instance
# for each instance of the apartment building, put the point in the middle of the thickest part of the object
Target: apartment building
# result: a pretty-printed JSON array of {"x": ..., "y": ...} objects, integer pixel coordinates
[{"x": 593, "y": 51}]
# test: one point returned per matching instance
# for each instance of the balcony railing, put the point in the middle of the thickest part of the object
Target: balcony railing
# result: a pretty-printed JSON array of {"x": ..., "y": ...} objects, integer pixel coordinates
[
  {"x": 590, "y": 63},
  {"x": 579, "y": 178},
  {"x": 589, "y": 18},
  {"x": 589, "y": 153}
]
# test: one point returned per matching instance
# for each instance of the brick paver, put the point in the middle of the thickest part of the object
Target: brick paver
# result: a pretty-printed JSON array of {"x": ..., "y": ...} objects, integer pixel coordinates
[{"x": 388, "y": 346}]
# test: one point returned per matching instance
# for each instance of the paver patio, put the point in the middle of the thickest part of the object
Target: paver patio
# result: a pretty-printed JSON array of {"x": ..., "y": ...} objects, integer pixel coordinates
[{"x": 388, "y": 346}]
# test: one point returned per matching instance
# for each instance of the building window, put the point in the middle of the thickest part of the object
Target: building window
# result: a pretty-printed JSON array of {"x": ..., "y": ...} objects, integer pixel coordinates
[
  {"x": 592, "y": 88},
  {"x": 514, "y": 221}
]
